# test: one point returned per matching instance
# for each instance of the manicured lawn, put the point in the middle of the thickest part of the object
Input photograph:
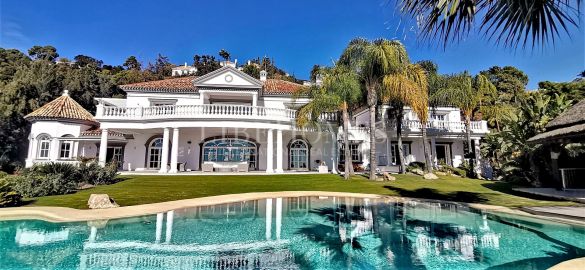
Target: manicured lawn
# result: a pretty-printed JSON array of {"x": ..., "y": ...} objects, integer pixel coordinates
[{"x": 151, "y": 189}]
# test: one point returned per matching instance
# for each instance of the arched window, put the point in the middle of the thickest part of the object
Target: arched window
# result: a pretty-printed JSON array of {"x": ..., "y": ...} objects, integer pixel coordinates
[
  {"x": 66, "y": 148},
  {"x": 230, "y": 150},
  {"x": 155, "y": 153},
  {"x": 299, "y": 155},
  {"x": 44, "y": 146}
]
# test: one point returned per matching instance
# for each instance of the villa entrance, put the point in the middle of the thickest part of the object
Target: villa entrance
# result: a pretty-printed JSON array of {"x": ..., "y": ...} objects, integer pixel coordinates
[{"x": 443, "y": 154}]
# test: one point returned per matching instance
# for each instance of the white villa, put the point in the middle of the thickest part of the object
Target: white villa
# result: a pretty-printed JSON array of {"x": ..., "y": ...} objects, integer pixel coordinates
[{"x": 226, "y": 121}]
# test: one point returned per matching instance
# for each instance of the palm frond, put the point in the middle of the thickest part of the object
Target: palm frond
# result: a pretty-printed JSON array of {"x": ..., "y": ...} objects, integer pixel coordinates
[{"x": 508, "y": 22}]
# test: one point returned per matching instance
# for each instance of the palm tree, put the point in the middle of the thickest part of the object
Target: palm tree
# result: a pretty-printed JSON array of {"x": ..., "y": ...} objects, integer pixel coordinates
[
  {"x": 409, "y": 87},
  {"x": 467, "y": 94},
  {"x": 372, "y": 60},
  {"x": 224, "y": 54},
  {"x": 339, "y": 92},
  {"x": 510, "y": 22}
]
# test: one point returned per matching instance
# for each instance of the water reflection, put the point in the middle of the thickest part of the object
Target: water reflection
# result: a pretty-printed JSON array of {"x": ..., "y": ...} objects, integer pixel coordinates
[{"x": 294, "y": 233}]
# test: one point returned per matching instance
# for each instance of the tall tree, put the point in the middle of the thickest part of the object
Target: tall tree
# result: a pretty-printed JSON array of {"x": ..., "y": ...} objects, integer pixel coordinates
[
  {"x": 409, "y": 87},
  {"x": 509, "y": 81},
  {"x": 84, "y": 61},
  {"x": 252, "y": 70},
  {"x": 162, "y": 67},
  {"x": 339, "y": 93},
  {"x": 510, "y": 22},
  {"x": 467, "y": 94},
  {"x": 373, "y": 60},
  {"x": 48, "y": 53},
  {"x": 132, "y": 63},
  {"x": 10, "y": 60},
  {"x": 205, "y": 64},
  {"x": 224, "y": 54}
]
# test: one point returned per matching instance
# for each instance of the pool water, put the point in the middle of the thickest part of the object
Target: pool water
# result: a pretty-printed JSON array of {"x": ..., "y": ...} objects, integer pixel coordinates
[{"x": 295, "y": 233}]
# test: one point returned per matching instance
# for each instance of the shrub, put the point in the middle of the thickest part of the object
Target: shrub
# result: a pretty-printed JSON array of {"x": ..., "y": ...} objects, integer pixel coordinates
[
  {"x": 8, "y": 196},
  {"x": 452, "y": 170},
  {"x": 58, "y": 178},
  {"x": 468, "y": 169},
  {"x": 92, "y": 173},
  {"x": 415, "y": 165},
  {"x": 67, "y": 171},
  {"x": 35, "y": 184},
  {"x": 3, "y": 174}
]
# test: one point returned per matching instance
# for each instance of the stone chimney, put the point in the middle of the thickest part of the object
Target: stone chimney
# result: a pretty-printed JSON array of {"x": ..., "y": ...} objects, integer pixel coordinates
[
  {"x": 319, "y": 80},
  {"x": 263, "y": 75}
]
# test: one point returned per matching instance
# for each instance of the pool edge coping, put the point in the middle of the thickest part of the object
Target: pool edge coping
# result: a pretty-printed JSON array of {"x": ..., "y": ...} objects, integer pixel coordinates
[
  {"x": 66, "y": 214},
  {"x": 577, "y": 263}
]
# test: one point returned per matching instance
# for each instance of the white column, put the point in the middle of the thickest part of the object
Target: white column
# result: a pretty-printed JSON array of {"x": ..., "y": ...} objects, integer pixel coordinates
[
  {"x": 174, "y": 151},
  {"x": 268, "y": 219},
  {"x": 334, "y": 148},
  {"x": 278, "y": 217},
  {"x": 165, "y": 152},
  {"x": 169, "y": 233},
  {"x": 269, "y": 152},
  {"x": 388, "y": 144},
  {"x": 103, "y": 147},
  {"x": 92, "y": 234},
  {"x": 254, "y": 103},
  {"x": 159, "y": 225},
  {"x": 32, "y": 152},
  {"x": 75, "y": 149},
  {"x": 279, "y": 151}
]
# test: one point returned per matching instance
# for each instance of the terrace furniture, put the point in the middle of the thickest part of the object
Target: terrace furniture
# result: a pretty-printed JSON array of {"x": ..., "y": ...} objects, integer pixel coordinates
[
  {"x": 243, "y": 167},
  {"x": 207, "y": 167}
]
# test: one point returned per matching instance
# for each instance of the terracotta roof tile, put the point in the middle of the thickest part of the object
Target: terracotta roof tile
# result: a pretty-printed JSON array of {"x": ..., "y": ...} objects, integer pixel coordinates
[
  {"x": 98, "y": 132},
  {"x": 64, "y": 107},
  {"x": 273, "y": 86},
  {"x": 185, "y": 85},
  {"x": 173, "y": 85}
]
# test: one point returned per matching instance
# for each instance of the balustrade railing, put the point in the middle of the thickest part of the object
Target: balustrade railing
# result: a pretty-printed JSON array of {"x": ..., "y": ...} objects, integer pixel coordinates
[
  {"x": 200, "y": 111},
  {"x": 444, "y": 125}
]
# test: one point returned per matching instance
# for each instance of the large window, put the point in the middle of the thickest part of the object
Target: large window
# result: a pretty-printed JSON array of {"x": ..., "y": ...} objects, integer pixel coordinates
[
  {"x": 354, "y": 149},
  {"x": 230, "y": 150},
  {"x": 155, "y": 153},
  {"x": 66, "y": 149},
  {"x": 299, "y": 155},
  {"x": 44, "y": 146}
]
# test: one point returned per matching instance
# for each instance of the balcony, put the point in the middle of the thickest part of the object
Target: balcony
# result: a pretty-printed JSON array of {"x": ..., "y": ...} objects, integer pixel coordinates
[
  {"x": 445, "y": 126},
  {"x": 205, "y": 111}
]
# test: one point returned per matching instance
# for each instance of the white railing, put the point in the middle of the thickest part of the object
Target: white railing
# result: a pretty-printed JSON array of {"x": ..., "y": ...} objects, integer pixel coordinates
[
  {"x": 451, "y": 126},
  {"x": 206, "y": 111}
]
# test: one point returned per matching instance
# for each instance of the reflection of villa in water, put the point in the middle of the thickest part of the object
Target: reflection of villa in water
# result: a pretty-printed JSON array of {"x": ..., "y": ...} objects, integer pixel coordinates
[
  {"x": 270, "y": 252},
  {"x": 269, "y": 233},
  {"x": 460, "y": 244}
]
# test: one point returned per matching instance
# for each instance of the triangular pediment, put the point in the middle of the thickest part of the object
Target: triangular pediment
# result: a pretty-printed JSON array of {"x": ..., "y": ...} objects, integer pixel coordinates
[{"x": 227, "y": 77}]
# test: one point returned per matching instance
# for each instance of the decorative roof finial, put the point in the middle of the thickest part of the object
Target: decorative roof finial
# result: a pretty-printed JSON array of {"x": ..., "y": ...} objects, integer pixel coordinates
[{"x": 65, "y": 93}]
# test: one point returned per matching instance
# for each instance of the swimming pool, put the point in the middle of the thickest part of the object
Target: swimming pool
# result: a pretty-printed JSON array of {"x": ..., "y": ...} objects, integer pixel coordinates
[{"x": 295, "y": 233}]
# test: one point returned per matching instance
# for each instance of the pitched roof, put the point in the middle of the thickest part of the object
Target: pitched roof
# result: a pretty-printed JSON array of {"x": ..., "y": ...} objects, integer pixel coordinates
[
  {"x": 186, "y": 85},
  {"x": 567, "y": 125},
  {"x": 573, "y": 115},
  {"x": 98, "y": 132},
  {"x": 172, "y": 85},
  {"x": 273, "y": 86},
  {"x": 62, "y": 108}
]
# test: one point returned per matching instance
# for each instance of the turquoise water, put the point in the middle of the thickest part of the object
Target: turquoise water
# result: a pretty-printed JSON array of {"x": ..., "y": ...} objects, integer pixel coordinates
[{"x": 295, "y": 233}]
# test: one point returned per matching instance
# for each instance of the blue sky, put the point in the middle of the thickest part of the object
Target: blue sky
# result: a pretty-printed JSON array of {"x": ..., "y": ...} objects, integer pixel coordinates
[{"x": 296, "y": 33}]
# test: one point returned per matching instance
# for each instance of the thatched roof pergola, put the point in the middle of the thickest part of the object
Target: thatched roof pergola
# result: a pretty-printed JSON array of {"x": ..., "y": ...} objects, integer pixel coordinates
[{"x": 565, "y": 128}]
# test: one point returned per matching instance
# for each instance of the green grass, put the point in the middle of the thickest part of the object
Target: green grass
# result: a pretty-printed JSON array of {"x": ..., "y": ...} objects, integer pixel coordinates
[{"x": 151, "y": 189}]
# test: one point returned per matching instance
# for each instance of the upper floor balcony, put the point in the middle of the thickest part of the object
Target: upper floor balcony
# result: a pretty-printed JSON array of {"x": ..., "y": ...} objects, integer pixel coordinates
[
  {"x": 204, "y": 111},
  {"x": 444, "y": 126}
]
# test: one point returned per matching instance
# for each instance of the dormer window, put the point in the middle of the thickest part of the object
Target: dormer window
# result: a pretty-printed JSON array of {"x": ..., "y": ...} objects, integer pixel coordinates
[{"x": 438, "y": 117}]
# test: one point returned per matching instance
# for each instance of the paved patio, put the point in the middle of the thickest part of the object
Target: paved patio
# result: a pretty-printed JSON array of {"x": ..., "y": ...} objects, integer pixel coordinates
[
  {"x": 576, "y": 195},
  {"x": 569, "y": 212}
]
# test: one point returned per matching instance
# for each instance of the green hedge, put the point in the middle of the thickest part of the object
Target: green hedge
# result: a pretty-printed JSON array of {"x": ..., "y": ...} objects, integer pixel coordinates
[
  {"x": 8, "y": 196},
  {"x": 61, "y": 178}
]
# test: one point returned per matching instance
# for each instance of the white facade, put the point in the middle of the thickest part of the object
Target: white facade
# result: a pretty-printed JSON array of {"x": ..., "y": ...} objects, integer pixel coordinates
[{"x": 230, "y": 121}]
